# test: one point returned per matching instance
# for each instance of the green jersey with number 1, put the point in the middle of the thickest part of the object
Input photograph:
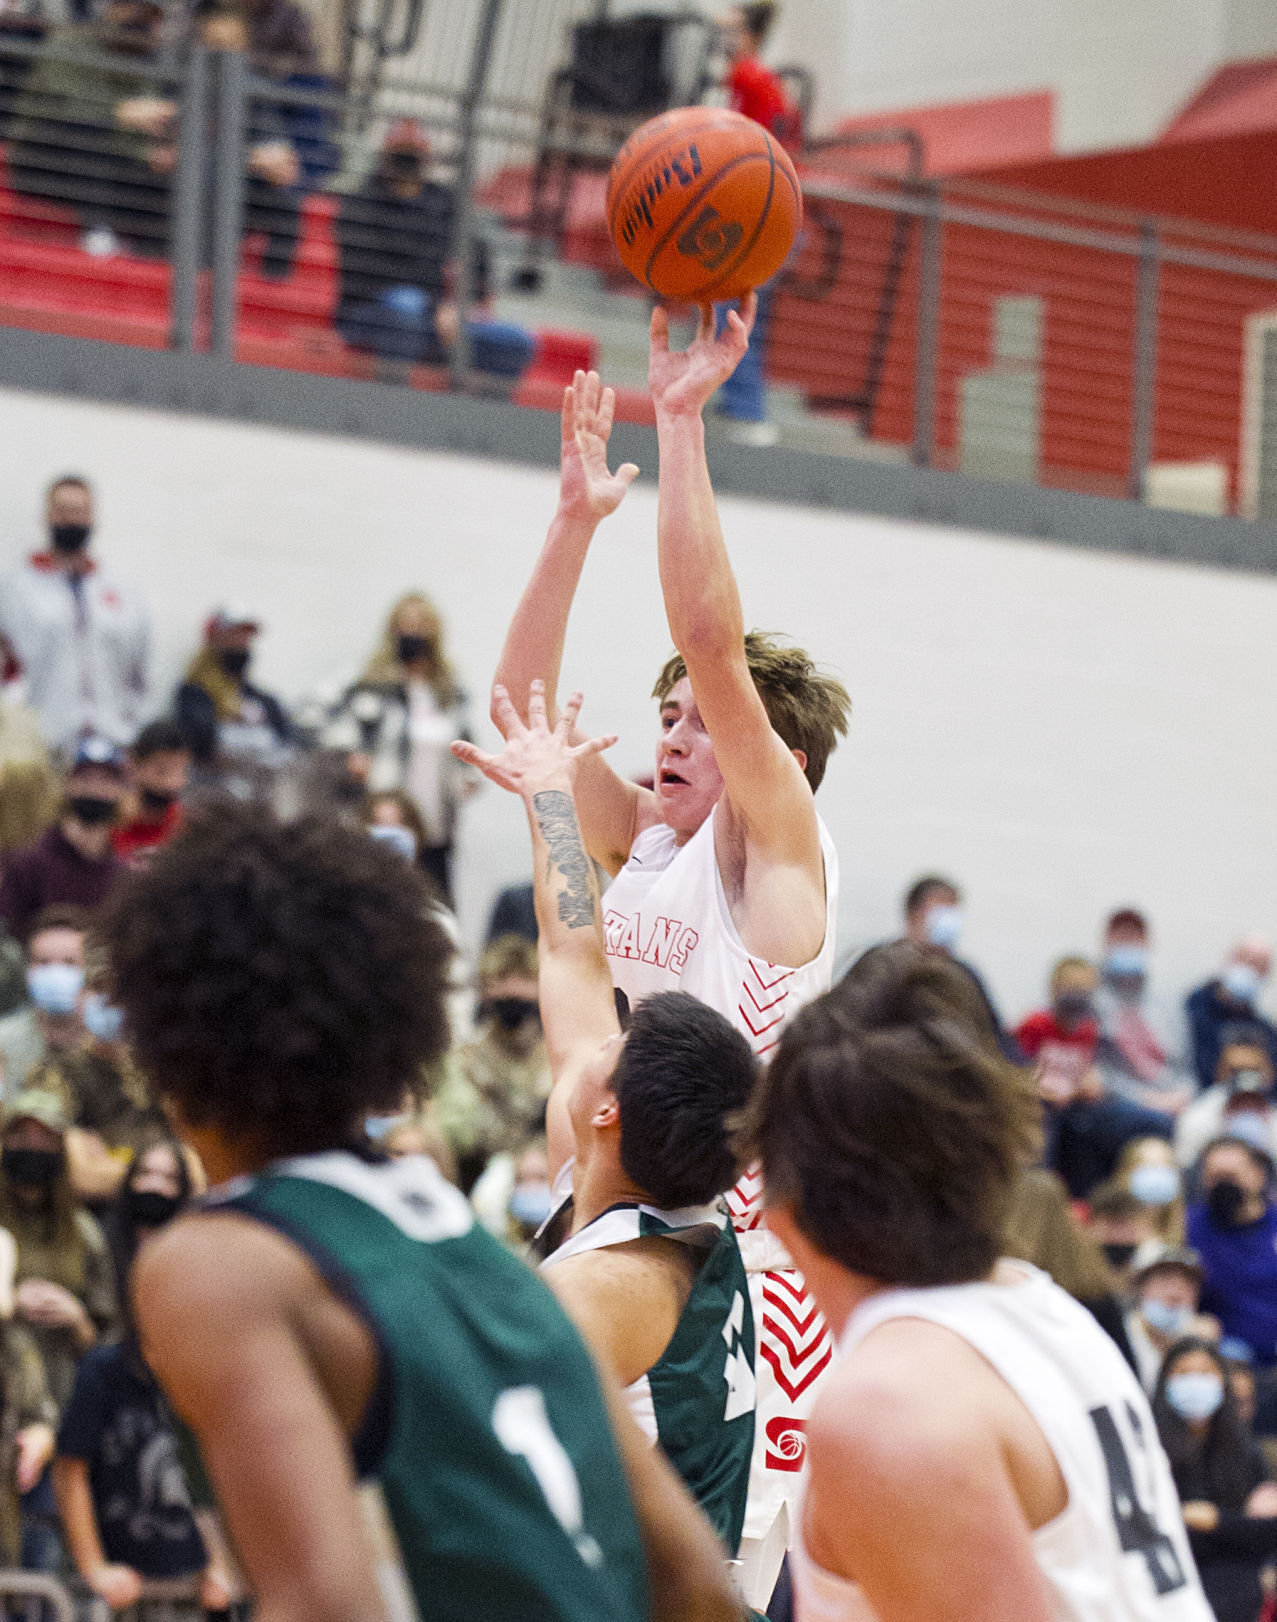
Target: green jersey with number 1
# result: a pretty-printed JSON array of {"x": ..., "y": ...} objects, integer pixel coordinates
[{"x": 487, "y": 1431}]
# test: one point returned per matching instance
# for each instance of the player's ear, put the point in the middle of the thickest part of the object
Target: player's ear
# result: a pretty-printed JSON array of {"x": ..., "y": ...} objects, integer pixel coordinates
[
  {"x": 607, "y": 1113},
  {"x": 800, "y": 755}
]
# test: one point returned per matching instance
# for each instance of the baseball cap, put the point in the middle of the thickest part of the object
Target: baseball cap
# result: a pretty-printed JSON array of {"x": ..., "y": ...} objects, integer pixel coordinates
[
  {"x": 37, "y": 1104},
  {"x": 1156, "y": 1253},
  {"x": 95, "y": 750},
  {"x": 233, "y": 617}
]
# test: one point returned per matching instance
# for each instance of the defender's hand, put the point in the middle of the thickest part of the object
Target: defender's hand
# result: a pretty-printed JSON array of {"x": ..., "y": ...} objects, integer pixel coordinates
[
  {"x": 586, "y": 488},
  {"x": 683, "y": 381},
  {"x": 535, "y": 756}
]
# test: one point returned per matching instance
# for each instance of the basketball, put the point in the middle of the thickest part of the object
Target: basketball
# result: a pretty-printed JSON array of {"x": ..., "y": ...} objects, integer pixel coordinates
[{"x": 703, "y": 204}]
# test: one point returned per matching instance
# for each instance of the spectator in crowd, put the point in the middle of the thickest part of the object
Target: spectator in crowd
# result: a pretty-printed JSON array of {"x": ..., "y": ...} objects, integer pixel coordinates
[
  {"x": 238, "y": 734},
  {"x": 392, "y": 816},
  {"x": 1138, "y": 1051},
  {"x": 75, "y": 107},
  {"x": 156, "y": 1185},
  {"x": 73, "y": 862},
  {"x": 1119, "y": 1224},
  {"x": 80, "y": 635},
  {"x": 51, "y": 1020},
  {"x": 761, "y": 95},
  {"x": 493, "y": 1096},
  {"x": 159, "y": 770},
  {"x": 1167, "y": 1290},
  {"x": 1085, "y": 1129},
  {"x": 27, "y": 1418},
  {"x": 398, "y": 283},
  {"x": 1148, "y": 1168},
  {"x": 280, "y": 39},
  {"x": 1239, "y": 1103},
  {"x": 513, "y": 913},
  {"x": 65, "y": 1287},
  {"x": 395, "y": 724},
  {"x": 1228, "y": 1502},
  {"x": 29, "y": 785},
  {"x": 1233, "y": 1228},
  {"x": 1227, "y": 1000},
  {"x": 1042, "y": 1229},
  {"x": 934, "y": 920},
  {"x": 121, "y": 1489}
]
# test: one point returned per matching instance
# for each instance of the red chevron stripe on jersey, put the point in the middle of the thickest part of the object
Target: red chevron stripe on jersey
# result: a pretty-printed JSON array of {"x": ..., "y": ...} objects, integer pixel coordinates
[
  {"x": 745, "y": 1201},
  {"x": 799, "y": 1349}
]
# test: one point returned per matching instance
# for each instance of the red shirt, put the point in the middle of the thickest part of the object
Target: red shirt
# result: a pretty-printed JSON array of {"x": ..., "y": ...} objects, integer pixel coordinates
[
  {"x": 140, "y": 835},
  {"x": 760, "y": 94}
]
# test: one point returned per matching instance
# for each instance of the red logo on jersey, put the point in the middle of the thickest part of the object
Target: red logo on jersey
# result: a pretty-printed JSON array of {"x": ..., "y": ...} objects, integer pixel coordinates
[
  {"x": 794, "y": 1337},
  {"x": 668, "y": 944},
  {"x": 786, "y": 1443}
]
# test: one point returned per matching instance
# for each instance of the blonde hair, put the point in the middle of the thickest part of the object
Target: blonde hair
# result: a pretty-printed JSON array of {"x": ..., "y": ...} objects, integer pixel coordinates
[
  {"x": 384, "y": 668},
  {"x": 29, "y": 786},
  {"x": 1042, "y": 1229}
]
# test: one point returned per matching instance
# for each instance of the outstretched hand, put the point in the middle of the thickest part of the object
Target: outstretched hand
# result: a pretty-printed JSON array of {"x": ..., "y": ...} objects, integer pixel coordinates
[
  {"x": 586, "y": 487},
  {"x": 535, "y": 756},
  {"x": 683, "y": 380}
]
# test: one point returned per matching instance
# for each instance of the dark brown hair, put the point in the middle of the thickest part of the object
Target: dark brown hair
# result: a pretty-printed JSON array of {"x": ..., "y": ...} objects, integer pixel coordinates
[
  {"x": 892, "y": 1124},
  {"x": 805, "y": 706}
]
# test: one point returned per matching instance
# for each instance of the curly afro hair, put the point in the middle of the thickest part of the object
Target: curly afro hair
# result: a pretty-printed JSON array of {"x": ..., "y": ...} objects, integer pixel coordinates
[{"x": 280, "y": 980}]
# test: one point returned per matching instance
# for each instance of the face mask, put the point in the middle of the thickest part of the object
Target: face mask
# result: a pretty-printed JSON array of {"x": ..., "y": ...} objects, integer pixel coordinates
[
  {"x": 55, "y": 987},
  {"x": 944, "y": 926},
  {"x": 91, "y": 810},
  {"x": 101, "y": 1018},
  {"x": 1154, "y": 1185},
  {"x": 1195, "y": 1396},
  {"x": 155, "y": 802},
  {"x": 69, "y": 538},
  {"x": 399, "y": 839},
  {"x": 1240, "y": 981},
  {"x": 530, "y": 1204},
  {"x": 31, "y": 1168},
  {"x": 381, "y": 1126},
  {"x": 412, "y": 648},
  {"x": 1163, "y": 1317},
  {"x": 1250, "y": 1125},
  {"x": 510, "y": 1012},
  {"x": 1224, "y": 1201},
  {"x": 234, "y": 661},
  {"x": 1118, "y": 1255},
  {"x": 147, "y": 1208},
  {"x": 1073, "y": 1007},
  {"x": 1126, "y": 962}
]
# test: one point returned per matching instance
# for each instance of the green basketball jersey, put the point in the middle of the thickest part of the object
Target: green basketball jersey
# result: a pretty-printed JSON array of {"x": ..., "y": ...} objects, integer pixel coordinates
[
  {"x": 698, "y": 1400},
  {"x": 487, "y": 1432}
]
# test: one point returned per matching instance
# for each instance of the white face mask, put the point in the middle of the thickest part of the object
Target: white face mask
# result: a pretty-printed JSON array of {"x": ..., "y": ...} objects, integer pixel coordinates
[
  {"x": 1154, "y": 1185},
  {"x": 1242, "y": 981},
  {"x": 944, "y": 926},
  {"x": 401, "y": 839},
  {"x": 1195, "y": 1395}
]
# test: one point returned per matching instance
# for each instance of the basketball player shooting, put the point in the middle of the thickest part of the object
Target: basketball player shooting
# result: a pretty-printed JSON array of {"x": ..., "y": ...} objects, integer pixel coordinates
[
  {"x": 981, "y": 1452},
  {"x": 726, "y": 880},
  {"x": 640, "y": 1252}
]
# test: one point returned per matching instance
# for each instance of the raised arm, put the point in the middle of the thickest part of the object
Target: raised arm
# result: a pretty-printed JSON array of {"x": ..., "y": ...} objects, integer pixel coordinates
[
  {"x": 766, "y": 789},
  {"x": 612, "y": 810},
  {"x": 578, "y": 1010}
]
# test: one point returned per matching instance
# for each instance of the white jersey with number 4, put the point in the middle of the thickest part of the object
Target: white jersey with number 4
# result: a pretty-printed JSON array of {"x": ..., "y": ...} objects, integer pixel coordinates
[
  {"x": 668, "y": 927},
  {"x": 1118, "y": 1551}
]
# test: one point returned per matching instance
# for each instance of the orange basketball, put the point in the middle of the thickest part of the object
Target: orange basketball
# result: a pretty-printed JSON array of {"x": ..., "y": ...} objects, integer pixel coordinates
[{"x": 703, "y": 204}]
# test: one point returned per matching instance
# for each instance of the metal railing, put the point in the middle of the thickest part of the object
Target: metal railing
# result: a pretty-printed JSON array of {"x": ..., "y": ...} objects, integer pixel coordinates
[{"x": 190, "y": 202}]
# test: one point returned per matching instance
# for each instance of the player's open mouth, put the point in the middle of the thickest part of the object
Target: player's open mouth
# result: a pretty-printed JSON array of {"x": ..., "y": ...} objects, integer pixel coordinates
[{"x": 668, "y": 777}]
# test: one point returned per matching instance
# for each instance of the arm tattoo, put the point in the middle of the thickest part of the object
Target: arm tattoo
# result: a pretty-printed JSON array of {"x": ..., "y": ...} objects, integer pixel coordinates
[{"x": 556, "y": 818}]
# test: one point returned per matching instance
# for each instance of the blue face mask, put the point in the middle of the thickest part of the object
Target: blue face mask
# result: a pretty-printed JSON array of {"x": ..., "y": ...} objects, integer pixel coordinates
[
  {"x": 381, "y": 1126},
  {"x": 1194, "y": 1395},
  {"x": 1154, "y": 1185},
  {"x": 102, "y": 1019},
  {"x": 401, "y": 839},
  {"x": 55, "y": 987},
  {"x": 1242, "y": 981},
  {"x": 530, "y": 1204},
  {"x": 944, "y": 926},
  {"x": 1250, "y": 1125},
  {"x": 1126, "y": 962},
  {"x": 1163, "y": 1317}
]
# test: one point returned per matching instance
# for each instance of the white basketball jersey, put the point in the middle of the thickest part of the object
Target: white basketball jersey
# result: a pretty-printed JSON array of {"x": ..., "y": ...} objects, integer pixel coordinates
[
  {"x": 668, "y": 927},
  {"x": 1118, "y": 1552}
]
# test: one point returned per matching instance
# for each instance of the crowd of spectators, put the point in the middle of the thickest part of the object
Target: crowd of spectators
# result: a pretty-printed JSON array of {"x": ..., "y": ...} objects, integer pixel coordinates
[{"x": 1155, "y": 1202}]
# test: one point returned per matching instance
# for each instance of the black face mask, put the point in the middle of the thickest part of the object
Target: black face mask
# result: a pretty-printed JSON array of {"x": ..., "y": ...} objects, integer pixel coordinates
[
  {"x": 31, "y": 1168},
  {"x": 509, "y": 1012},
  {"x": 69, "y": 538},
  {"x": 234, "y": 661},
  {"x": 1118, "y": 1255},
  {"x": 90, "y": 810},
  {"x": 145, "y": 1208},
  {"x": 1224, "y": 1202},
  {"x": 155, "y": 802},
  {"x": 1073, "y": 1007},
  {"x": 403, "y": 166},
  {"x": 412, "y": 648}
]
